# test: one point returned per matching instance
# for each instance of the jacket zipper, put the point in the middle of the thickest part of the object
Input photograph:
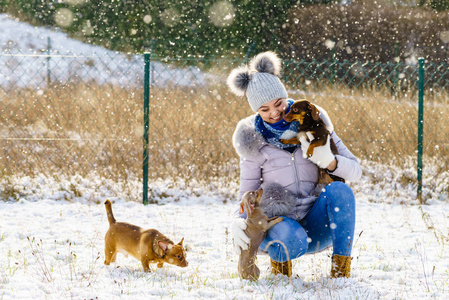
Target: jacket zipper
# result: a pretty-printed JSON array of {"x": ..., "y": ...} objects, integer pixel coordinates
[{"x": 295, "y": 169}]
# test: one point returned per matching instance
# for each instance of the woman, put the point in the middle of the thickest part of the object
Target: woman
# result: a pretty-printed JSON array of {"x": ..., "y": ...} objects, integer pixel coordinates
[{"x": 314, "y": 218}]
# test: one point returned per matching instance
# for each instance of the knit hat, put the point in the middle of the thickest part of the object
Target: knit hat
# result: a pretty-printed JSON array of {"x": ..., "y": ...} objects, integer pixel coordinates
[{"x": 259, "y": 81}]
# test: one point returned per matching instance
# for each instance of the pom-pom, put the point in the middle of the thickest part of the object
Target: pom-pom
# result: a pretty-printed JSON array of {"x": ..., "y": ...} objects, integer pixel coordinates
[
  {"x": 276, "y": 200},
  {"x": 266, "y": 62},
  {"x": 238, "y": 80}
]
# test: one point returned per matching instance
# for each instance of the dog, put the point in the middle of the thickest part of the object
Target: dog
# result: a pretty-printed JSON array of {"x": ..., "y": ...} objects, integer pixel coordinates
[
  {"x": 313, "y": 128},
  {"x": 257, "y": 225},
  {"x": 147, "y": 246}
]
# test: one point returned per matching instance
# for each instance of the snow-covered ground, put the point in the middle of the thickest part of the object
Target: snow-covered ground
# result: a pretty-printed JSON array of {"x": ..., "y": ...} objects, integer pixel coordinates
[
  {"x": 52, "y": 247},
  {"x": 32, "y": 52}
]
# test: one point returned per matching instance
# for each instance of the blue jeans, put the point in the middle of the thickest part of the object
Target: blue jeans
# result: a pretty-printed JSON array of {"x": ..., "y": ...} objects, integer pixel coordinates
[{"x": 330, "y": 221}]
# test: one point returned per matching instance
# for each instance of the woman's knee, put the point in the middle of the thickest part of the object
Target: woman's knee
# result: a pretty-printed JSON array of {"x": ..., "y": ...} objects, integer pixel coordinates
[
  {"x": 338, "y": 187},
  {"x": 341, "y": 208},
  {"x": 285, "y": 241},
  {"x": 339, "y": 191}
]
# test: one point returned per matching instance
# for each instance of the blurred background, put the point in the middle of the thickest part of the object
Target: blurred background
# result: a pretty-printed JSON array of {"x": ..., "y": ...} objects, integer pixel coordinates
[{"x": 72, "y": 84}]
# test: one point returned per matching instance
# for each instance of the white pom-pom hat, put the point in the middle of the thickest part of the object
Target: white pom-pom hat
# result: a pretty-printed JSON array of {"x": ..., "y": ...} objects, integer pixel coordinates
[{"x": 259, "y": 81}]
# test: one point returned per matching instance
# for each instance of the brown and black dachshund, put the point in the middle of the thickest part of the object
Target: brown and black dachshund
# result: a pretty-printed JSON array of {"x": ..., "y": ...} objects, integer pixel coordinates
[{"x": 312, "y": 127}]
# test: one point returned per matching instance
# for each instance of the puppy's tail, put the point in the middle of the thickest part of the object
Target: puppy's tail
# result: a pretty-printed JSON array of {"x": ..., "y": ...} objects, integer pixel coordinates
[{"x": 108, "y": 206}]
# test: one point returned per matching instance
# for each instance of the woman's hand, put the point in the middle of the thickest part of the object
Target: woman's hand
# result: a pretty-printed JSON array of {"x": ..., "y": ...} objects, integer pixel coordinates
[
  {"x": 240, "y": 239},
  {"x": 322, "y": 155},
  {"x": 332, "y": 166}
]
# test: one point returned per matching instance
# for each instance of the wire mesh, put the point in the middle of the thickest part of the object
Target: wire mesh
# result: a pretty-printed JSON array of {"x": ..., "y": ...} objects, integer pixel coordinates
[{"x": 84, "y": 114}]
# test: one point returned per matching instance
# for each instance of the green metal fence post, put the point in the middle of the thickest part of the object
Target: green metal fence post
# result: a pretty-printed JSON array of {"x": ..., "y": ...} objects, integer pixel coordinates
[
  {"x": 48, "y": 62},
  {"x": 396, "y": 66},
  {"x": 332, "y": 64},
  {"x": 420, "y": 126},
  {"x": 251, "y": 48},
  {"x": 146, "y": 124}
]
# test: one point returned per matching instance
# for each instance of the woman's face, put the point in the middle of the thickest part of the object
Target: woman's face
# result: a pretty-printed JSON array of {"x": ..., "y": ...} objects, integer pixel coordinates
[{"x": 273, "y": 111}]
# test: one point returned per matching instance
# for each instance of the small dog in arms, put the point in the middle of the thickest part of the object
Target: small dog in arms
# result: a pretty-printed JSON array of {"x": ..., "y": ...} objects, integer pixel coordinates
[
  {"x": 313, "y": 130},
  {"x": 146, "y": 245}
]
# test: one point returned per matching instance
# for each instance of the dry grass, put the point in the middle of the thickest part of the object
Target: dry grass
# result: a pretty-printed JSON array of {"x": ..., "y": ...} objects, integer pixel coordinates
[
  {"x": 73, "y": 129},
  {"x": 98, "y": 129}
]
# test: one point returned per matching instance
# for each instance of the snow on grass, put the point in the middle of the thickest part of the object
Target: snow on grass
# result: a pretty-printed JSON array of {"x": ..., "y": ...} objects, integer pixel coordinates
[
  {"x": 25, "y": 49},
  {"x": 52, "y": 228},
  {"x": 54, "y": 248}
]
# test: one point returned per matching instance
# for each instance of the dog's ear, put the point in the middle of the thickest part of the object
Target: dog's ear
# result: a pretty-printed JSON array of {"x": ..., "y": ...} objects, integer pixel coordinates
[
  {"x": 259, "y": 196},
  {"x": 163, "y": 247},
  {"x": 180, "y": 243},
  {"x": 247, "y": 207},
  {"x": 315, "y": 112}
]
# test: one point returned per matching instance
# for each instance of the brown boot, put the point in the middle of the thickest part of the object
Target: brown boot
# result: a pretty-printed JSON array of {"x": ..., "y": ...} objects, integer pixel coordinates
[
  {"x": 341, "y": 266},
  {"x": 284, "y": 268}
]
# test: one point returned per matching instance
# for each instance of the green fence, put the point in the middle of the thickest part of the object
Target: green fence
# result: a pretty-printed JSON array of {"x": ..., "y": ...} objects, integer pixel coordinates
[{"x": 71, "y": 114}]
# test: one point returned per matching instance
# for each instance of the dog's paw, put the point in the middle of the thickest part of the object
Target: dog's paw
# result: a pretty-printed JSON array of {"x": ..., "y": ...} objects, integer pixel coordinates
[{"x": 292, "y": 141}]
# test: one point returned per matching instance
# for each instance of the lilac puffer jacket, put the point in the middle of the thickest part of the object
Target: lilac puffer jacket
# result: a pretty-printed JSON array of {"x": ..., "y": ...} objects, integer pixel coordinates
[{"x": 262, "y": 163}]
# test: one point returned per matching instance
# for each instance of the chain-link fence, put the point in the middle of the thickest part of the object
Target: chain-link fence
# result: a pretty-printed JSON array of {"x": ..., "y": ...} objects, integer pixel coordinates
[
  {"x": 71, "y": 114},
  {"x": 84, "y": 114}
]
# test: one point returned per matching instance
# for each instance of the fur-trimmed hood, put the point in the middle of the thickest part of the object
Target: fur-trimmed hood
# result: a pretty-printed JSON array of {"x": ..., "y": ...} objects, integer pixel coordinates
[{"x": 247, "y": 141}]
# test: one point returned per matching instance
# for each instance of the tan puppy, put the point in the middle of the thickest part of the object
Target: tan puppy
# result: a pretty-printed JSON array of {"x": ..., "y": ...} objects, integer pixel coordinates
[
  {"x": 147, "y": 246},
  {"x": 257, "y": 226}
]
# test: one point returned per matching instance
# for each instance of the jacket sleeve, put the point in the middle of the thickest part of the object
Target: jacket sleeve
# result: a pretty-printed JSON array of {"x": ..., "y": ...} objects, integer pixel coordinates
[
  {"x": 348, "y": 166},
  {"x": 250, "y": 174}
]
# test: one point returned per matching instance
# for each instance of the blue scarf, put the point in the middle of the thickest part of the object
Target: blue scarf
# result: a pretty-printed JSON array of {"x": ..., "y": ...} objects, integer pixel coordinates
[{"x": 280, "y": 130}]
